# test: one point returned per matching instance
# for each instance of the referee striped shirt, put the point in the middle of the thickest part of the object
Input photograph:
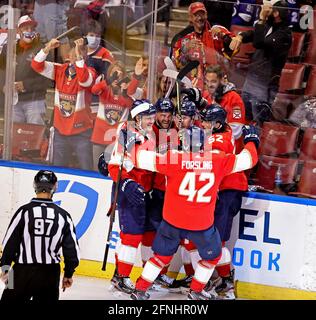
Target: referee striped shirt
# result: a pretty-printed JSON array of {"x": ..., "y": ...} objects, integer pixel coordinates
[{"x": 39, "y": 233}]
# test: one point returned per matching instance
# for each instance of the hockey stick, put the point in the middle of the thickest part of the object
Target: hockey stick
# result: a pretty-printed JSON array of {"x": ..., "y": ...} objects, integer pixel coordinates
[
  {"x": 173, "y": 74},
  {"x": 64, "y": 34},
  {"x": 185, "y": 70},
  {"x": 113, "y": 204},
  {"x": 169, "y": 64}
]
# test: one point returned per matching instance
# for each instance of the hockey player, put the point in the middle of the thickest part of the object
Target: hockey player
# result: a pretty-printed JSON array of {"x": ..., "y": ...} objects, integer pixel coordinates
[
  {"x": 219, "y": 136},
  {"x": 166, "y": 139},
  {"x": 134, "y": 188},
  {"x": 193, "y": 179}
]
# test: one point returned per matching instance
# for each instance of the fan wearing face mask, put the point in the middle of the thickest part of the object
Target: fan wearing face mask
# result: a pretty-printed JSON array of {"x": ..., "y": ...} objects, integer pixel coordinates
[
  {"x": 30, "y": 89},
  {"x": 98, "y": 57}
]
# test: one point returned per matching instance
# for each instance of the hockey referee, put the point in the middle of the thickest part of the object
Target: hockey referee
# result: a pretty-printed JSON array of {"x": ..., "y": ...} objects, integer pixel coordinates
[{"x": 36, "y": 235}]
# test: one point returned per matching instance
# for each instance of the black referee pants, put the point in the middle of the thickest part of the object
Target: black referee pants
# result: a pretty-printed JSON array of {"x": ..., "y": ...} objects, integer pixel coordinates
[{"x": 37, "y": 281}]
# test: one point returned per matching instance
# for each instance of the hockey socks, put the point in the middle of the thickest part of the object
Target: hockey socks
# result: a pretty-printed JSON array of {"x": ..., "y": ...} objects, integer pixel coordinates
[{"x": 151, "y": 271}]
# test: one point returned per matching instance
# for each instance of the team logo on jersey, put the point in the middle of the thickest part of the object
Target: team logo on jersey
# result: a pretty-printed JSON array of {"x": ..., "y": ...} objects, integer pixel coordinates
[
  {"x": 236, "y": 113},
  {"x": 67, "y": 104},
  {"x": 112, "y": 114}
]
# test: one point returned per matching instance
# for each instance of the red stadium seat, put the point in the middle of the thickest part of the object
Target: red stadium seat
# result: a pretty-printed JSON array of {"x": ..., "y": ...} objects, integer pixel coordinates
[
  {"x": 278, "y": 139},
  {"x": 308, "y": 146},
  {"x": 267, "y": 169},
  {"x": 310, "y": 55},
  {"x": 291, "y": 77},
  {"x": 310, "y": 90},
  {"x": 284, "y": 104},
  {"x": 27, "y": 141},
  {"x": 246, "y": 49},
  {"x": 297, "y": 46},
  {"x": 306, "y": 186}
]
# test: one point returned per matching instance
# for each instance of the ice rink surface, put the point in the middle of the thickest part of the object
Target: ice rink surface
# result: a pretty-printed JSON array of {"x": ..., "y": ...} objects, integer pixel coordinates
[{"x": 87, "y": 288}]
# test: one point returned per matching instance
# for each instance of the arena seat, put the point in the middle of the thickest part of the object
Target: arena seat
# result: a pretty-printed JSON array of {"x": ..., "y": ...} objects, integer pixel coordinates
[
  {"x": 27, "y": 141},
  {"x": 278, "y": 139},
  {"x": 291, "y": 77},
  {"x": 296, "y": 50},
  {"x": 283, "y": 105},
  {"x": 310, "y": 55},
  {"x": 306, "y": 186},
  {"x": 310, "y": 90},
  {"x": 308, "y": 146},
  {"x": 267, "y": 169}
]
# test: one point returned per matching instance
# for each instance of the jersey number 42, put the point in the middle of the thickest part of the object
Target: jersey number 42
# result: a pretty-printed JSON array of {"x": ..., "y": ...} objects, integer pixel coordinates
[{"x": 188, "y": 186}]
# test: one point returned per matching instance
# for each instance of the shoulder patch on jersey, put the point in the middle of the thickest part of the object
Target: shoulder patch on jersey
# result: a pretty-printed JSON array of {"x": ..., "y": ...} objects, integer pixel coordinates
[{"x": 236, "y": 113}]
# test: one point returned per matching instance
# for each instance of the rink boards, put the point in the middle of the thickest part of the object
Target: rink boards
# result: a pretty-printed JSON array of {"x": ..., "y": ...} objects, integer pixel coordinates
[{"x": 273, "y": 240}]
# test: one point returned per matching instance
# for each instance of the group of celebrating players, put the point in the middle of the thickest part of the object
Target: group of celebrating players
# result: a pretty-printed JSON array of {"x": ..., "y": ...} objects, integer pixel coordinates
[{"x": 179, "y": 182}]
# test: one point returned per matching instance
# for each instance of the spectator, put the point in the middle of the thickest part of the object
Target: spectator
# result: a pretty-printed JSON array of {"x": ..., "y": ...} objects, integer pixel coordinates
[
  {"x": 29, "y": 102},
  {"x": 228, "y": 98},
  {"x": 98, "y": 57},
  {"x": 137, "y": 88},
  {"x": 201, "y": 42},
  {"x": 72, "y": 114},
  {"x": 272, "y": 39},
  {"x": 51, "y": 16},
  {"x": 113, "y": 105}
]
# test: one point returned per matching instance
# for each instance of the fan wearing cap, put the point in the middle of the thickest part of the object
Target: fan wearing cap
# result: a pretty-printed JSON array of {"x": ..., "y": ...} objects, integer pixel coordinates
[
  {"x": 29, "y": 103},
  {"x": 272, "y": 39},
  {"x": 136, "y": 224},
  {"x": 201, "y": 42}
]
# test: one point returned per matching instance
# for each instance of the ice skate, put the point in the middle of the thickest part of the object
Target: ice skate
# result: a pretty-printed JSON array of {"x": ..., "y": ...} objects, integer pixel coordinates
[
  {"x": 140, "y": 295},
  {"x": 162, "y": 283}
]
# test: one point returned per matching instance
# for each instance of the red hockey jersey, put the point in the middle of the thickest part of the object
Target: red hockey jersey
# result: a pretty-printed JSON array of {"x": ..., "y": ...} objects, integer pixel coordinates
[
  {"x": 209, "y": 53},
  {"x": 193, "y": 182},
  {"x": 166, "y": 139},
  {"x": 141, "y": 176},
  {"x": 232, "y": 102},
  {"x": 225, "y": 142},
  {"x": 110, "y": 113},
  {"x": 72, "y": 114}
]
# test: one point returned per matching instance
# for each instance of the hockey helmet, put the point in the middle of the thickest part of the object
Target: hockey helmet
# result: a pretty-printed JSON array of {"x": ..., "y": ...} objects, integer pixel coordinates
[
  {"x": 192, "y": 139},
  {"x": 164, "y": 105},
  {"x": 142, "y": 107},
  {"x": 214, "y": 113},
  {"x": 188, "y": 108},
  {"x": 45, "y": 181}
]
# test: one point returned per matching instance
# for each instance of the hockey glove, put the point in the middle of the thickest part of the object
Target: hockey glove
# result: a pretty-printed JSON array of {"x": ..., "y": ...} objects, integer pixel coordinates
[
  {"x": 133, "y": 191},
  {"x": 102, "y": 165},
  {"x": 250, "y": 134},
  {"x": 195, "y": 95},
  {"x": 129, "y": 139}
]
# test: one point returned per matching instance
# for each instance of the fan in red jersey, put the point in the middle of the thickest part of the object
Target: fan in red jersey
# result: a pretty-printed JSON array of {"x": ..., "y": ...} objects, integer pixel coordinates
[{"x": 72, "y": 113}]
